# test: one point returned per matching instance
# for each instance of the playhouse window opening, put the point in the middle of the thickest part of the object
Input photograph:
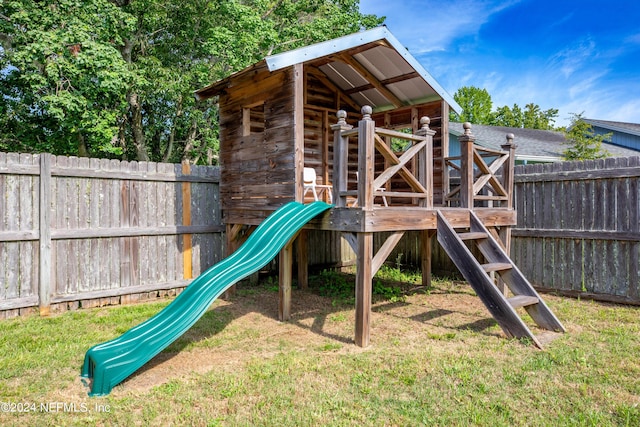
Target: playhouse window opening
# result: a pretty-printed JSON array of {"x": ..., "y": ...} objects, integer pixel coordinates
[{"x": 253, "y": 119}]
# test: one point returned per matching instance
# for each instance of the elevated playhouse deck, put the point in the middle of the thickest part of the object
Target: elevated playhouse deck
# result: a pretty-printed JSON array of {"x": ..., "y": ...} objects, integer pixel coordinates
[
  {"x": 385, "y": 165},
  {"x": 477, "y": 210}
]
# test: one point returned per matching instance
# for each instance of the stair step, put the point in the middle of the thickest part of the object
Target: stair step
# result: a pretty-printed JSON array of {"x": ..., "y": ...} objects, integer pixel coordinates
[
  {"x": 522, "y": 301},
  {"x": 474, "y": 235},
  {"x": 496, "y": 266}
]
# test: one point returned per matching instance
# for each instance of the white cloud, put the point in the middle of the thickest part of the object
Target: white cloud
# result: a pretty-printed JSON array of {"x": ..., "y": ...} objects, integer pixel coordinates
[
  {"x": 573, "y": 58},
  {"x": 580, "y": 77},
  {"x": 434, "y": 27},
  {"x": 633, "y": 39}
]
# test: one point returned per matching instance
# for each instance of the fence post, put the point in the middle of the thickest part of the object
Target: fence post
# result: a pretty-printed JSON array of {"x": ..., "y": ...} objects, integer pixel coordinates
[
  {"x": 186, "y": 221},
  {"x": 44, "y": 285},
  {"x": 340, "y": 159},
  {"x": 466, "y": 167}
]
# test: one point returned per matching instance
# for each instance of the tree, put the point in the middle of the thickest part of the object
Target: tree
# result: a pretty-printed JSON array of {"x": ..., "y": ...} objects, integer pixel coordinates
[
  {"x": 533, "y": 117},
  {"x": 584, "y": 143},
  {"x": 476, "y": 105},
  {"x": 115, "y": 78},
  {"x": 476, "y": 108},
  {"x": 509, "y": 117},
  {"x": 63, "y": 79}
]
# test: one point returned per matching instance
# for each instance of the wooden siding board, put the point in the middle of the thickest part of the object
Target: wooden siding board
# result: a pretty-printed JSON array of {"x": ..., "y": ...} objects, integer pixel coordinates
[{"x": 266, "y": 158}]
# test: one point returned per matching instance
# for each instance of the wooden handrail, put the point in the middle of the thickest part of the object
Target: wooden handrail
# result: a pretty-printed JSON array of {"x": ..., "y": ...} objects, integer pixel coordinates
[
  {"x": 478, "y": 174},
  {"x": 373, "y": 183}
]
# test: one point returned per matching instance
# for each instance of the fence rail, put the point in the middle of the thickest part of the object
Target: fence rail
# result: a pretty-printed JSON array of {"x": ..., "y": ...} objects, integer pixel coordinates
[
  {"x": 122, "y": 230},
  {"x": 85, "y": 231},
  {"x": 578, "y": 227},
  {"x": 578, "y": 230}
]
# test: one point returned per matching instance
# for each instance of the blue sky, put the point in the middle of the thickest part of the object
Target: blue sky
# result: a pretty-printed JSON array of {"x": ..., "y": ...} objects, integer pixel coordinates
[{"x": 576, "y": 56}]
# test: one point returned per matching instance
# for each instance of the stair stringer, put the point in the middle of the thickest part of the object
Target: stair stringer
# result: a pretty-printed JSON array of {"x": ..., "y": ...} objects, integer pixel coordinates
[
  {"x": 514, "y": 279},
  {"x": 489, "y": 294}
]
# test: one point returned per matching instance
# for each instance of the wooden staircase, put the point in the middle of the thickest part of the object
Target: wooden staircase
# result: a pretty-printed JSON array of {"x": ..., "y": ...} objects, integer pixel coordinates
[{"x": 502, "y": 308}]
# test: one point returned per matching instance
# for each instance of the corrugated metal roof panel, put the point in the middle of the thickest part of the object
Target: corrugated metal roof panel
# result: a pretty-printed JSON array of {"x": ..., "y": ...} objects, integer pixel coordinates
[
  {"x": 413, "y": 90},
  {"x": 373, "y": 98},
  {"x": 375, "y": 52},
  {"x": 383, "y": 62},
  {"x": 343, "y": 75}
]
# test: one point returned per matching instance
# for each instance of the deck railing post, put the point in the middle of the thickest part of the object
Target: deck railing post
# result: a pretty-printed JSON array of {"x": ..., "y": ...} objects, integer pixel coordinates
[
  {"x": 366, "y": 157},
  {"x": 466, "y": 167},
  {"x": 508, "y": 168},
  {"x": 340, "y": 159},
  {"x": 425, "y": 162}
]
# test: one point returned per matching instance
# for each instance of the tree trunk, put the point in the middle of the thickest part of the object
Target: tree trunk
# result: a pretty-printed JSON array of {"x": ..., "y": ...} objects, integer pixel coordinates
[
  {"x": 83, "y": 151},
  {"x": 136, "y": 127}
]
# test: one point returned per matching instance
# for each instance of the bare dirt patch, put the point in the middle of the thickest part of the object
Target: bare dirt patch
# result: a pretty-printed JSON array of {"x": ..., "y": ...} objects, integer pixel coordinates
[{"x": 251, "y": 330}]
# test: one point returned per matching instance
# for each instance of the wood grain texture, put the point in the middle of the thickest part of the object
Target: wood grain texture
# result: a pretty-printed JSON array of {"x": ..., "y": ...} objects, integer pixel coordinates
[{"x": 79, "y": 231}]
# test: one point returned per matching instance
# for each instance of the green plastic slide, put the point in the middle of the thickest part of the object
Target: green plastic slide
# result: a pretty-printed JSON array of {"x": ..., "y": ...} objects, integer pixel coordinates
[{"x": 111, "y": 362}]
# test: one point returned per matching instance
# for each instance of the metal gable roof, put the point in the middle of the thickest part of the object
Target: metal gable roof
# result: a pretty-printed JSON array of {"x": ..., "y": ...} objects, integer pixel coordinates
[{"x": 397, "y": 71}]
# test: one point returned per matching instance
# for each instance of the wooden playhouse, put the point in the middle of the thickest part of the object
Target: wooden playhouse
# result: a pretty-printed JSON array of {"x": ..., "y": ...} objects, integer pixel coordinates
[{"x": 359, "y": 123}]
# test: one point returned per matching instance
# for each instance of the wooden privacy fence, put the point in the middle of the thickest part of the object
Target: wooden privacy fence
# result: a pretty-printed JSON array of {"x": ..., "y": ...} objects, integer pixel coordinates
[
  {"x": 114, "y": 231},
  {"x": 78, "y": 231},
  {"x": 578, "y": 230},
  {"x": 578, "y": 227}
]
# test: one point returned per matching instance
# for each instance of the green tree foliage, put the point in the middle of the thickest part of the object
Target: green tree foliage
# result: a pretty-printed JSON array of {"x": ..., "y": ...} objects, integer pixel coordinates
[
  {"x": 63, "y": 78},
  {"x": 532, "y": 117},
  {"x": 115, "y": 78},
  {"x": 584, "y": 143},
  {"x": 476, "y": 106}
]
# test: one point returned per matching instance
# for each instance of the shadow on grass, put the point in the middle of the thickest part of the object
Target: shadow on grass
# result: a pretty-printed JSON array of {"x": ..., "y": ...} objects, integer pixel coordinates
[{"x": 261, "y": 299}]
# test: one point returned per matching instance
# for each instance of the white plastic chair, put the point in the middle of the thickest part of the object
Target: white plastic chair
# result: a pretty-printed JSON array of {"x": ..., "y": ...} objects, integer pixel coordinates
[
  {"x": 381, "y": 189},
  {"x": 309, "y": 181}
]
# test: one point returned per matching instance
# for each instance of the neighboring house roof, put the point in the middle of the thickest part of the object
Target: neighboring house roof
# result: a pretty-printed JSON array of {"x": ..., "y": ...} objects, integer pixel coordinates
[
  {"x": 630, "y": 128},
  {"x": 532, "y": 145},
  {"x": 354, "y": 62}
]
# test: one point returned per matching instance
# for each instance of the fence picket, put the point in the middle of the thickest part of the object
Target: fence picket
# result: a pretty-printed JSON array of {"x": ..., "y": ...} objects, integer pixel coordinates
[
  {"x": 56, "y": 216},
  {"x": 578, "y": 230}
]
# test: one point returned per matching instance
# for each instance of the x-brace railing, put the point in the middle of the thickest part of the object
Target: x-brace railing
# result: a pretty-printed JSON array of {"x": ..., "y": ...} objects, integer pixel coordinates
[
  {"x": 370, "y": 141},
  {"x": 486, "y": 175}
]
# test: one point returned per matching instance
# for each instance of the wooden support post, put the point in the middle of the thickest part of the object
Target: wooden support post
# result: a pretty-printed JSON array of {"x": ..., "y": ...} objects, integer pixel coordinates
[
  {"x": 302, "y": 247},
  {"x": 230, "y": 247},
  {"x": 284, "y": 288},
  {"x": 326, "y": 135},
  {"x": 340, "y": 159},
  {"x": 444, "y": 149},
  {"x": 426, "y": 240},
  {"x": 508, "y": 169},
  {"x": 298, "y": 128},
  {"x": 466, "y": 167},
  {"x": 425, "y": 162},
  {"x": 186, "y": 221},
  {"x": 44, "y": 286},
  {"x": 363, "y": 289},
  {"x": 508, "y": 178},
  {"x": 366, "y": 158}
]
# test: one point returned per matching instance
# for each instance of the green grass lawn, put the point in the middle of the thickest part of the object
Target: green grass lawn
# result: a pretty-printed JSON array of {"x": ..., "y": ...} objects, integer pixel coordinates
[{"x": 436, "y": 359}]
